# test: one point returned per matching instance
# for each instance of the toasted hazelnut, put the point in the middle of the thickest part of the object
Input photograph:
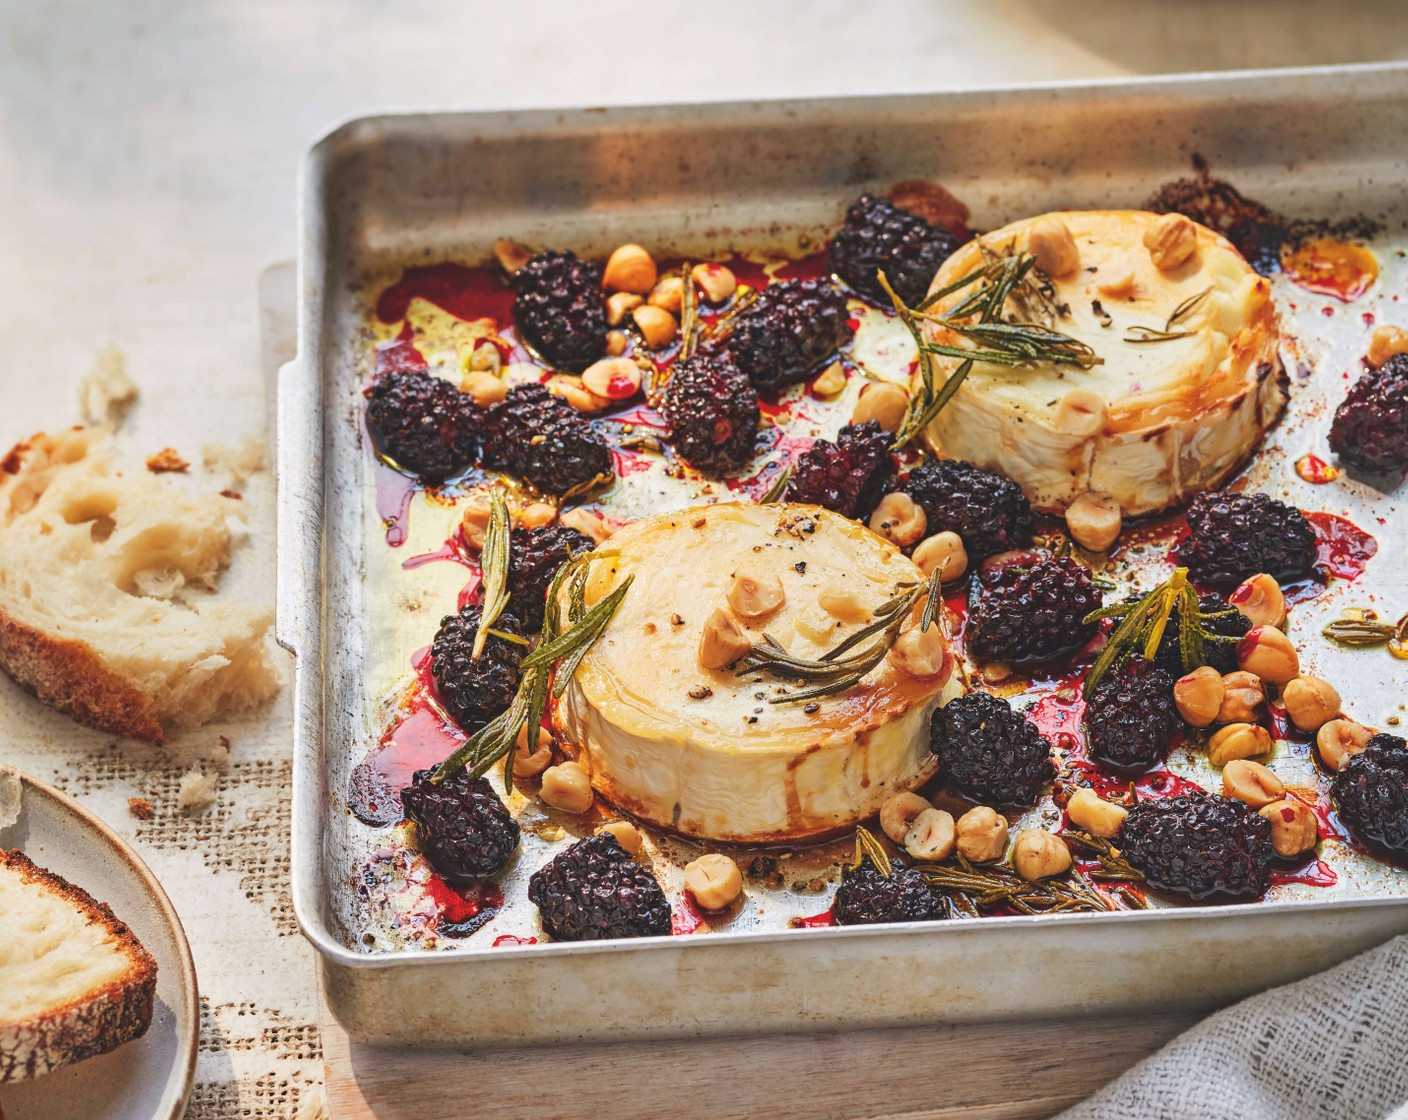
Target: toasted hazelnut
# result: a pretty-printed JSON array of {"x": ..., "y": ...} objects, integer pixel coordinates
[
  {"x": 714, "y": 880},
  {"x": 511, "y": 255},
  {"x": 1251, "y": 782},
  {"x": 627, "y": 834},
  {"x": 1310, "y": 702},
  {"x": 898, "y": 812},
  {"x": 629, "y": 269},
  {"x": 656, "y": 325},
  {"x": 883, "y": 402},
  {"x": 715, "y": 280},
  {"x": 485, "y": 388},
  {"x": 668, "y": 293},
  {"x": 1038, "y": 854},
  {"x": 900, "y": 519},
  {"x": 535, "y": 515},
  {"x": 931, "y": 836},
  {"x": 844, "y": 604},
  {"x": 527, "y": 765},
  {"x": 1260, "y": 600},
  {"x": 981, "y": 835},
  {"x": 1269, "y": 654},
  {"x": 474, "y": 520},
  {"x": 566, "y": 786},
  {"x": 1049, "y": 240},
  {"x": 1080, "y": 413},
  {"x": 1237, "y": 740},
  {"x": 753, "y": 597},
  {"x": 1242, "y": 695},
  {"x": 943, "y": 550},
  {"x": 574, "y": 392},
  {"x": 619, "y": 305},
  {"x": 1198, "y": 696},
  {"x": 1119, "y": 284},
  {"x": 485, "y": 358},
  {"x": 1293, "y": 830},
  {"x": 921, "y": 654},
  {"x": 1088, "y": 810},
  {"x": 1094, "y": 520},
  {"x": 616, "y": 343},
  {"x": 1385, "y": 342},
  {"x": 995, "y": 672},
  {"x": 1339, "y": 740},
  {"x": 587, "y": 521},
  {"x": 723, "y": 641},
  {"x": 830, "y": 381},
  {"x": 613, "y": 379},
  {"x": 1171, "y": 241}
]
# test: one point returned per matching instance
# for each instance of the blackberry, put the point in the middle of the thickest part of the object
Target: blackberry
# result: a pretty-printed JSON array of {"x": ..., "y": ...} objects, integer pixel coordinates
[
  {"x": 988, "y": 511},
  {"x": 560, "y": 309},
  {"x": 1222, "y": 656},
  {"x": 1370, "y": 430},
  {"x": 1371, "y": 794},
  {"x": 475, "y": 691},
  {"x": 866, "y": 898},
  {"x": 594, "y": 891},
  {"x": 1200, "y": 845},
  {"x": 534, "y": 558},
  {"x": 422, "y": 423},
  {"x": 544, "y": 441},
  {"x": 1130, "y": 718},
  {"x": 1232, "y": 536},
  {"x": 1030, "y": 611},
  {"x": 990, "y": 752},
  {"x": 462, "y": 826},
  {"x": 790, "y": 329},
  {"x": 877, "y": 235},
  {"x": 712, "y": 410},
  {"x": 847, "y": 475}
]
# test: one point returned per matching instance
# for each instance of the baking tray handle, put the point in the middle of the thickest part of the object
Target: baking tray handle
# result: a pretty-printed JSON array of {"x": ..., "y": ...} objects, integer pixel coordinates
[{"x": 300, "y": 491}]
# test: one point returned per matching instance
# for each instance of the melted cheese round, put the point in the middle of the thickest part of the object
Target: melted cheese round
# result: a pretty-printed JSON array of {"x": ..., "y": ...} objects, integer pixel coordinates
[
  {"x": 702, "y": 751},
  {"x": 1155, "y": 422}
]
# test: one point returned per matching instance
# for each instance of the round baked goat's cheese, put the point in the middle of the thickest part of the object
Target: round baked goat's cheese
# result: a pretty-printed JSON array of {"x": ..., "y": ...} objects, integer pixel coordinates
[
  {"x": 706, "y": 751},
  {"x": 1159, "y": 418}
]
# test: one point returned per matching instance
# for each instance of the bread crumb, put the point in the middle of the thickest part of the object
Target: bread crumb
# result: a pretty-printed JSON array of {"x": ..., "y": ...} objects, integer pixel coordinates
[
  {"x": 140, "y": 808},
  {"x": 107, "y": 394},
  {"x": 197, "y": 792},
  {"x": 9, "y": 796},
  {"x": 249, "y": 457},
  {"x": 168, "y": 459}
]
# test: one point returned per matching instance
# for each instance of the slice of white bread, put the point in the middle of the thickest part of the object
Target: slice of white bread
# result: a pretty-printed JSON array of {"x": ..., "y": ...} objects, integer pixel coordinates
[
  {"x": 105, "y": 574},
  {"x": 74, "y": 981}
]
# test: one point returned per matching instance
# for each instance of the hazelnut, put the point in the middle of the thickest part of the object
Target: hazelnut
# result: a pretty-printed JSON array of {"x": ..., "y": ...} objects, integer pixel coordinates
[
  {"x": 587, "y": 521},
  {"x": 723, "y": 641},
  {"x": 656, "y": 325},
  {"x": 613, "y": 379},
  {"x": 527, "y": 765},
  {"x": 1049, "y": 240},
  {"x": 753, "y": 597},
  {"x": 931, "y": 836},
  {"x": 1080, "y": 413},
  {"x": 715, "y": 281},
  {"x": 981, "y": 835},
  {"x": 1293, "y": 830},
  {"x": 1385, "y": 342},
  {"x": 844, "y": 604},
  {"x": 1251, "y": 782},
  {"x": 567, "y": 787},
  {"x": 1269, "y": 654},
  {"x": 619, "y": 305},
  {"x": 485, "y": 358},
  {"x": 1118, "y": 284},
  {"x": 898, "y": 814},
  {"x": 574, "y": 392},
  {"x": 1260, "y": 600},
  {"x": 1038, "y": 854},
  {"x": 714, "y": 880},
  {"x": 474, "y": 520},
  {"x": 1242, "y": 695},
  {"x": 535, "y": 515},
  {"x": 898, "y": 518},
  {"x": 1094, "y": 814},
  {"x": 921, "y": 654},
  {"x": 629, "y": 269},
  {"x": 1237, "y": 740},
  {"x": 1339, "y": 740},
  {"x": 1094, "y": 521},
  {"x": 1198, "y": 696},
  {"x": 1310, "y": 702},
  {"x": 616, "y": 343},
  {"x": 485, "y": 388},
  {"x": 1171, "y": 241},
  {"x": 943, "y": 550},
  {"x": 511, "y": 255},
  {"x": 627, "y": 834},
  {"x": 830, "y": 381},
  {"x": 668, "y": 293},
  {"x": 883, "y": 402}
]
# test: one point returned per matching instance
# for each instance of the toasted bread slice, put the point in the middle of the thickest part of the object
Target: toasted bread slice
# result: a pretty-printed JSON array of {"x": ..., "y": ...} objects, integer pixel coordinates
[
  {"x": 105, "y": 574},
  {"x": 74, "y": 981}
]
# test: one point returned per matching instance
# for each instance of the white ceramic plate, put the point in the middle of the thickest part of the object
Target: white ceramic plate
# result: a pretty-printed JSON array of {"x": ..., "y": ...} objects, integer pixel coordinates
[{"x": 149, "y": 1079}]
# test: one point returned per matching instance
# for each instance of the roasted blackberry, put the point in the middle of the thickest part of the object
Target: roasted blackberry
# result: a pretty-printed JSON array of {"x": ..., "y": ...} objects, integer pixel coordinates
[
  {"x": 790, "y": 329},
  {"x": 1030, "y": 609},
  {"x": 544, "y": 441},
  {"x": 1232, "y": 535},
  {"x": 847, "y": 475},
  {"x": 712, "y": 410},
  {"x": 866, "y": 898},
  {"x": 1371, "y": 794},
  {"x": 534, "y": 557},
  {"x": 422, "y": 423},
  {"x": 560, "y": 309},
  {"x": 475, "y": 691},
  {"x": 1130, "y": 718},
  {"x": 1222, "y": 656},
  {"x": 1370, "y": 430},
  {"x": 461, "y": 825},
  {"x": 594, "y": 891},
  {"x": 878, "y": 236},
  {"x": 988, "y": 511},
  {"x": 1201, "y": 845},
  {"x": 990, "y": 752}
]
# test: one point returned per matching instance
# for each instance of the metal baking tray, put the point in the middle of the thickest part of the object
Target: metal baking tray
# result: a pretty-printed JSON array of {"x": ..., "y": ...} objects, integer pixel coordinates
[{"x": 383, "y": 192}]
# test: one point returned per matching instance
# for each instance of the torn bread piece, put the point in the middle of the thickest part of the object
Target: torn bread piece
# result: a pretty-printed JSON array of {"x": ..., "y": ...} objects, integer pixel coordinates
[
  {"x": 9, "y": 796},
  {"x": 74, "y": 981},
  {"x": 108, "y": 393}
]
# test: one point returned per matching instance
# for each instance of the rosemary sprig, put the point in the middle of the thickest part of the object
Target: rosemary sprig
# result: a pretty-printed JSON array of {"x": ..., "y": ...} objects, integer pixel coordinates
[
  {"x": 1361, "y": 627},
  {"x": 867, "y": 845},
  {"x": 689, "y": 314},
  {"x": 997, "y": 884},
  {"x": 1181, "y": 312},
  {"x": 1112, "y": 864},
  {"x": 493, "y": 564},
  {"x": 778, "y": 487}
]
